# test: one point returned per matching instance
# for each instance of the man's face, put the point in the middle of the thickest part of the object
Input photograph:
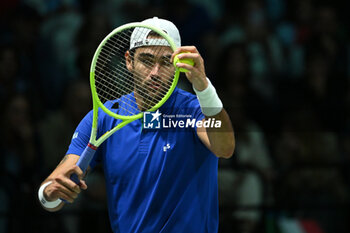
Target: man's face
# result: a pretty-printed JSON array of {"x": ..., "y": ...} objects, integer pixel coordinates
[{"x": 153, "y": 72}]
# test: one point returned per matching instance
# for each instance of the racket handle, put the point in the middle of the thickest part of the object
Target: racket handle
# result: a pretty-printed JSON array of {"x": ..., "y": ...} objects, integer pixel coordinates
[
  {"x": 84, "y": 161},
  {"x": 86, "y": 157},
  {"x": 75, "y": 178}
]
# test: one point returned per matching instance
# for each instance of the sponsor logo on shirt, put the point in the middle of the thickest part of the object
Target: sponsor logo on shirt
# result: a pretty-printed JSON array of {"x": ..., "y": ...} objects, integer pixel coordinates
[
  {"x": 75, "y": 135},
  {"x": 166, "y": 147}
]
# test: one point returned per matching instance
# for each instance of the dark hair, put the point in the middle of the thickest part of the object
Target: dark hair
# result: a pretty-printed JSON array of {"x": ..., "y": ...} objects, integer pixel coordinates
[{"x": 132, "y": 53}]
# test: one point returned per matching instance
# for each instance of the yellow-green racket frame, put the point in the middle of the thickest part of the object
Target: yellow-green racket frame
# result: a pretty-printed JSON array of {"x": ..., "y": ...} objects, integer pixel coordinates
[{"x": 87, "y": 155}]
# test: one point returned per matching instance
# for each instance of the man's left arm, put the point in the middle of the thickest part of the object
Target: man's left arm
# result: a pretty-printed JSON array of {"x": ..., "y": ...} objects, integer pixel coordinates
[{"x": 220, "y": 140}]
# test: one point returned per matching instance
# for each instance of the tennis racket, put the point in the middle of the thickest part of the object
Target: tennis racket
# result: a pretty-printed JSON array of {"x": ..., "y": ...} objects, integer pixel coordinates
[{"x": 135, "y": 80}]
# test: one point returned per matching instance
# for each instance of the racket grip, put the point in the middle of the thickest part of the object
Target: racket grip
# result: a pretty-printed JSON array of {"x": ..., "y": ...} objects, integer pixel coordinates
[
  {"x": 84, "y": 161},
  {"x": 75, "y": 178},
  {"x": 86, "y": 157}
]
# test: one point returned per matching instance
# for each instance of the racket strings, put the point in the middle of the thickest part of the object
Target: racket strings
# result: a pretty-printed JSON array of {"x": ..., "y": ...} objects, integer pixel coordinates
[
  {"x": 102, "y": 86},
  {"x": 132, "y": 110},
  {"x": 169, "y": 82},
  {"x": 129, "y": 98},
  {"x": 130, "y": 86},
  {"x": 150, "y": 101},
  {"x": 127, "y": 84},
  {"x": 113, "y": 80}
]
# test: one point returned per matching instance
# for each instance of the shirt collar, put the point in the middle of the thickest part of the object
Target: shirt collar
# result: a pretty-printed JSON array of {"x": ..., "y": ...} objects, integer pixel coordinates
[{"x": 165, "y": 108}]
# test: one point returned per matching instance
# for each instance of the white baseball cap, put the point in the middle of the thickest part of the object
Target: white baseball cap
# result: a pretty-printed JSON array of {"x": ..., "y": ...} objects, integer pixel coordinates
[{"x": 139, "y": 35}]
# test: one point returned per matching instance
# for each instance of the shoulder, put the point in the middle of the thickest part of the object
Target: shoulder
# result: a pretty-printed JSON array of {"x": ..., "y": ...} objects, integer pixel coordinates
[
  {"x": 185, "y": 98},
  {"x": 124, "y": 105},
  {"x": 184, "y": 94}
]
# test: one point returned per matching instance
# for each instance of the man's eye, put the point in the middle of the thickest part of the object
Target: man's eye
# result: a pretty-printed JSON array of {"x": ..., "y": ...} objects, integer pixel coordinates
[
  {"x": 166, "y": 62},
  {"x": 147, "y": 62}
]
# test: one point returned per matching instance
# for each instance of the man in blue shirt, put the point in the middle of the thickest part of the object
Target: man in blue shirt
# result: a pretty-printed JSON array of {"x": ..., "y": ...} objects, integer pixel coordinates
[{"x": 157, "y": 180}]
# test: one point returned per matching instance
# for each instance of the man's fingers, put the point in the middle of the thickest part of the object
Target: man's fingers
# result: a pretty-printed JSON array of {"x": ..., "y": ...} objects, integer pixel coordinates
[
  {"x": 69, "y": 192},
  {"x": 68, "y": 183},
  {"x": 184, "y": 65},
  {"x": 57, "y": 190},
  {"x": 76, "y": 169},
  {"x": 183, "y": 49},
  {"x": 191, "y": 49},
  {"x": 66, "y": 197},
  {"x": 83, "y": 185},
  {"x": 189, "y": 55}
]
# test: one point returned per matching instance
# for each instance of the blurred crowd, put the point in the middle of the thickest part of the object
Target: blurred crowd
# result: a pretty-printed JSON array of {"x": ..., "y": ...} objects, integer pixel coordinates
[{"x": 281, "y": 67}]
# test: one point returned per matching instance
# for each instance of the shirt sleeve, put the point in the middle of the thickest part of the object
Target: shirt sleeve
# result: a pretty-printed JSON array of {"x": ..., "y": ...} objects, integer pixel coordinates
[{"x": 81, "y": 138}]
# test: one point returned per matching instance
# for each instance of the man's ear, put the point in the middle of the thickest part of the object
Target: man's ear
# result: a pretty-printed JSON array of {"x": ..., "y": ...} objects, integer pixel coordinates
[{"x": 128, "y": 61}]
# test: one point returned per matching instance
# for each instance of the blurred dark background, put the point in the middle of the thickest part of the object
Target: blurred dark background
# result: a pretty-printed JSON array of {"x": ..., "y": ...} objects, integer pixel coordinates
[{"x": 281, "y": 67}]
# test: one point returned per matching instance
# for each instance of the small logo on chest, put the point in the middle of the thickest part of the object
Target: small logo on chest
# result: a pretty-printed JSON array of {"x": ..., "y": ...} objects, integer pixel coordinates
[
  {"x": 166, "y": 147},
  {"x": 75, "y": 135}
]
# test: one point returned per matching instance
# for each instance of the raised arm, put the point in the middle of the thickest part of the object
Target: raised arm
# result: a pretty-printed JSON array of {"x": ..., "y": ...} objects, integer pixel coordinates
[{"x": 220, "y": 140}]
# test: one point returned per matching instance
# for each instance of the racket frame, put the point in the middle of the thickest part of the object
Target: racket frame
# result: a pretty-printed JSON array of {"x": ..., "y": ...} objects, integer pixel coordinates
[
  {"x": 89, "y": 151},
  {"x": 97, "y": 102}
]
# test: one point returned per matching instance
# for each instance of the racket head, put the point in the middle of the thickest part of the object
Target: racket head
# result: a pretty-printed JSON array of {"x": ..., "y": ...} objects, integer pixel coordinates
[{"x": 111, "y": 80}]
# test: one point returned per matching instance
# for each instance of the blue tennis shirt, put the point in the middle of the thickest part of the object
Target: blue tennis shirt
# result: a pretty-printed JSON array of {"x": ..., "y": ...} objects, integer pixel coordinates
[{"x": 161, "y": 180}]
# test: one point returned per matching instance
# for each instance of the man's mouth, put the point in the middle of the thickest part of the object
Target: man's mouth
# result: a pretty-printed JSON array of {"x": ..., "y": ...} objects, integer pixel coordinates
[{"x": 153, "y": 85}]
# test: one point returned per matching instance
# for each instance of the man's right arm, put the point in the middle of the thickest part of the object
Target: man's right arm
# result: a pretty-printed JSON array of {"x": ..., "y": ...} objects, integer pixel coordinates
[{"x": 61, "y": 186}]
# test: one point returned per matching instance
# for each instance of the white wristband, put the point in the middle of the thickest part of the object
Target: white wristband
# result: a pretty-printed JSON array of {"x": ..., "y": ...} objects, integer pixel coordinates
[
  {"x": 209, "y": 100},
  {"x": 43, "y": 201}
]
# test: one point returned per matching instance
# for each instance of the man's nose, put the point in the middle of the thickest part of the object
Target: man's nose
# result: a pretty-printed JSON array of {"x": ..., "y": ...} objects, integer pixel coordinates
[{"x": 155, "y": 69}]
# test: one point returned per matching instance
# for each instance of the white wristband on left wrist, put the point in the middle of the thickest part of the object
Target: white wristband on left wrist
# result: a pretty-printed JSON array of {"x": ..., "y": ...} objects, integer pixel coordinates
[
  {"x": 209, "y": 100},
  {"x": 43, "y": 201}
]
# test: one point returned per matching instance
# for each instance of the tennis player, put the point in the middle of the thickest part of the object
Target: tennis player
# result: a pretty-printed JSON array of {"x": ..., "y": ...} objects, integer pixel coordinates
[{"x": 159, "y": 180}]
